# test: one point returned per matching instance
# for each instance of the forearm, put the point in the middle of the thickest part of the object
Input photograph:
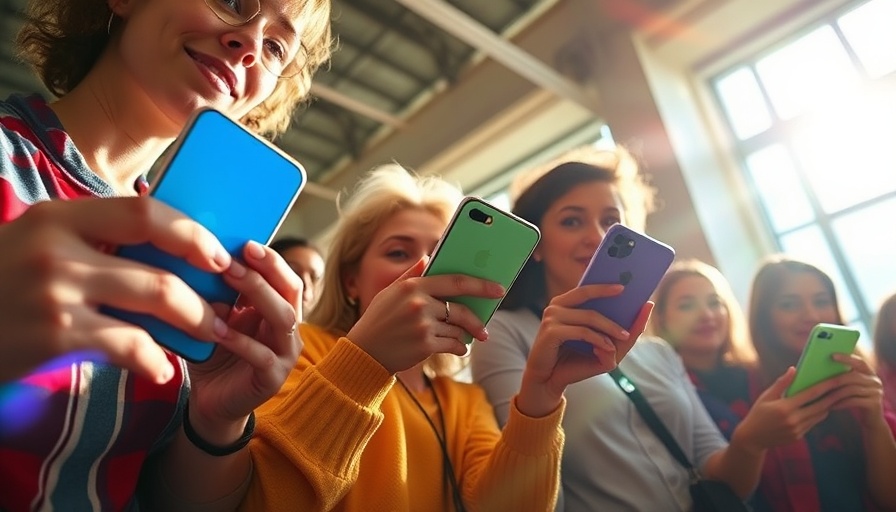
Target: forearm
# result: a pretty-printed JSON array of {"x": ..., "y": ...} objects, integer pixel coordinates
[
  {"x": 738, "y": 466},
  {"x": 185, "y": 478},
  {"x": 880, "y": 457},
  {"x": 308, "y": 444},
  {"x": 523, "y": 472}
]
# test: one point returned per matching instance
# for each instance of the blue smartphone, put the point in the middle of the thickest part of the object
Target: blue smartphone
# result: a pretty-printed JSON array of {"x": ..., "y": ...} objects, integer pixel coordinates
[
  {"x": 237, "y": 185},
  {"x": 632, "y": 259},
  {"x": 486, "y": 242}
]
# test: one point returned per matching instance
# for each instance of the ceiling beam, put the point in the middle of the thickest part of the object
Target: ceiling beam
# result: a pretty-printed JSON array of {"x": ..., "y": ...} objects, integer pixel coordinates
[
  {"x": 337, "y": 98},
  {"x": 455, "y": 22}
]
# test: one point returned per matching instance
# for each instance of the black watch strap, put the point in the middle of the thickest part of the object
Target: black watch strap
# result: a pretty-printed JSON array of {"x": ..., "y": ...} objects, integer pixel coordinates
[{"x": 215, "y": 450}]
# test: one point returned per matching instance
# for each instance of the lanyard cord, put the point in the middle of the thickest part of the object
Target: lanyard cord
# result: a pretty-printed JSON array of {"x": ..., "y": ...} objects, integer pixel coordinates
[{"x": 447, "y": 467}]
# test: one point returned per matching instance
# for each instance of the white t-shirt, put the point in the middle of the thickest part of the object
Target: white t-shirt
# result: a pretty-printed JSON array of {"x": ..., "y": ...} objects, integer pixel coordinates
[{"x": 611, "y": 460}]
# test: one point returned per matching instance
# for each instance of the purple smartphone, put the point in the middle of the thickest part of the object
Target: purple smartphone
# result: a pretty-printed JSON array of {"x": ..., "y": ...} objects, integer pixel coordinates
[{"x": 629, "y": 258}]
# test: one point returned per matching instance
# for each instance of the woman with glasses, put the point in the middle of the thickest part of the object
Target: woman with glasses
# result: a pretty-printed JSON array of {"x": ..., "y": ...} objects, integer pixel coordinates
[{"x": 93, "y": 414}]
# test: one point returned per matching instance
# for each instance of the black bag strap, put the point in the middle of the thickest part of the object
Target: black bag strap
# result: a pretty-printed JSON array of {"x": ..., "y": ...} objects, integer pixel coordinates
[{"x": 653, "y": 421}]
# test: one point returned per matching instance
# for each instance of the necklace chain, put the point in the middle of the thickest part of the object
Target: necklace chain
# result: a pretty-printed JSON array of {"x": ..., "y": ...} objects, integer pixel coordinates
[{"x": 447, "y": 466}]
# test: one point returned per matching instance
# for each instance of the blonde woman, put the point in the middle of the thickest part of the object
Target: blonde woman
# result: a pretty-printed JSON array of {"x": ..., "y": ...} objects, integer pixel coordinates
[
  {"x": 697, "y": 314},
  {"x": 371, "y": 418}
]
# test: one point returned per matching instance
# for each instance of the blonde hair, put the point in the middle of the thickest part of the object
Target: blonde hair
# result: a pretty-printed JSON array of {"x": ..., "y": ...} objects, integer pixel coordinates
[
  {"x": 385, "y": 191},
  {"x": 636, "y": 194},
  {"x": 62, "y": 40},
  {"x": 737, "y": 348}
]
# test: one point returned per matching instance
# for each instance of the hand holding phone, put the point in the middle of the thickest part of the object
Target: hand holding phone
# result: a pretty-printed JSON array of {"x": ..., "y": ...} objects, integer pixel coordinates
[
  {"x": 632, "y": 259},
  {"x": 486, "y": 242},
  {"x": 237, "y": 185},
  {"x": 816, "y": 363}
]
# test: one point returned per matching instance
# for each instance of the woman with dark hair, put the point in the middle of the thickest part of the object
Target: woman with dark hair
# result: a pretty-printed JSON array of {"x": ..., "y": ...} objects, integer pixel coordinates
[
  {"x": 847, "y": 461},
  {"x": 612, "y": 459},
  {"x": 371, "y": 417},
  {"x": 306, "y": 261}
]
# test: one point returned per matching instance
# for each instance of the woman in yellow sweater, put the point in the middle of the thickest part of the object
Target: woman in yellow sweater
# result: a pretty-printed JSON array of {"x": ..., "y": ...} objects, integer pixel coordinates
[{"x": 371, "y": 418}]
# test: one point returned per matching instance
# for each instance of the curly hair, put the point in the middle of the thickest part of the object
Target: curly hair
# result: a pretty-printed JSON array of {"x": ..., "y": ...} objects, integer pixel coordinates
[{"x": 63, "y": 39}]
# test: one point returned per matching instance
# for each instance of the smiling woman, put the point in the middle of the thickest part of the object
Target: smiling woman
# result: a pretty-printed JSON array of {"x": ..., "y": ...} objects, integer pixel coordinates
[
  {"x": 63, "y": 43},
  {"x": 341, "y": 435},
  {"x": 101, "y": 412}
]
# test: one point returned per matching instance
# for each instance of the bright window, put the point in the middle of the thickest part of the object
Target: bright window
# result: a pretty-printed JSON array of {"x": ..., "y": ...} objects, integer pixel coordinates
[{"x": 815, "y": 125}]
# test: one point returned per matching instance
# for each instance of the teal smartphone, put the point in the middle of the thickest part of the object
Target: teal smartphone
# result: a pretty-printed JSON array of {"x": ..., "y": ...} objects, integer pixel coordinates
[
  {"x": 486, "y": 242},
  {"x": 816, "y": 363},
  {"x": 237, "y": 185}
]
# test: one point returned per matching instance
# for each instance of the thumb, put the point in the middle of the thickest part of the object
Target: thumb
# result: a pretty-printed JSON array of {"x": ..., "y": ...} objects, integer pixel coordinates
[
  {"x": 777, "y": 389},
  {"x": 416, "y": 269}
]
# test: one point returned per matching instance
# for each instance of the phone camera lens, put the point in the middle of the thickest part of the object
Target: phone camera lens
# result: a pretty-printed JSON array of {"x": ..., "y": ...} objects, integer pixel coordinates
[
  {"x": 480, "y": 216},
  {"x": 825, "y": 335},
  {"x": 613, "y": 251}
]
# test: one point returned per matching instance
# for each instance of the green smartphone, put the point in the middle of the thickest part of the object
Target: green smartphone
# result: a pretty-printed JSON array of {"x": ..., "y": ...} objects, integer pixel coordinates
[
  {"x": 486, "y": 242},
  {"x": 816, "y": 363}
]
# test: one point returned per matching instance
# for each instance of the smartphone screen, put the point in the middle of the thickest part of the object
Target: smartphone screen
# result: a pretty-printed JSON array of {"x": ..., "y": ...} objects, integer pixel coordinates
[
  {"x": 237, "y": 185},
  {"x": 486, "y": 242},
  {"x": 632, "y": 259},
  {"x": 816, "y": 363}
]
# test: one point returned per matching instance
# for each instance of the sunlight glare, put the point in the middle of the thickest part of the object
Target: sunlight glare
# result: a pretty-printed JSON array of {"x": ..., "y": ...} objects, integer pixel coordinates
[
  {"x": 869, "y": 29},
  {"x": 848, "y": 150},
  {"x": 809, "y": 73}
]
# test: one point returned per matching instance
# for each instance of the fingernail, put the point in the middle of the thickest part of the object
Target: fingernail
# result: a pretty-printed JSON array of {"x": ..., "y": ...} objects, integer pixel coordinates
[
  {"x": 625, "y": 334},
  {"x": 497, "y": 289},
  {"x": 220, "y": 328},
  {"x": 236, "y": 270},
  {"x": 221, "y": 257},
  {"x": 256, "y": 250},
  {"x": 167, "y": 373},
  {"x": 483, "y": 335}
]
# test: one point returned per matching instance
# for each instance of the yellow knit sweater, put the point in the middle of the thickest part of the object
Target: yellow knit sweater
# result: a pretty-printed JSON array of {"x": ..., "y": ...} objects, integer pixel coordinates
[{"x": 339, "y": 436}]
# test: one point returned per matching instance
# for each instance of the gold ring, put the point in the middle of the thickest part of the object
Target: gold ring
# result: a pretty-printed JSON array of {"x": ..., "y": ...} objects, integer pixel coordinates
[{"x": 447, "y": 311}]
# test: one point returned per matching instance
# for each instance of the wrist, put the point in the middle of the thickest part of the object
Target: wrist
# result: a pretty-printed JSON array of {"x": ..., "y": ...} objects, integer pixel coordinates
[
  {"x": 360, "y": 341},
  {"x": 536, "y": 400},
  {"x": 875, "y": 424},
  {"x": 217, "y": 438},
  {"x": 742, "y": 443}
]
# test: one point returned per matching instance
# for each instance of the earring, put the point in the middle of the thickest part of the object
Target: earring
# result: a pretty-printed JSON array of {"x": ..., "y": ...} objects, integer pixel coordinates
[
  {"x": 352, "y": 301},
  {"x": 109, "y": 23}
]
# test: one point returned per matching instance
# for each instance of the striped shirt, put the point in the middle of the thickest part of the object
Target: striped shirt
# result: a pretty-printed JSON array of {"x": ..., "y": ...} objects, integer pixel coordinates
[{"x": 75, "y": 432}]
